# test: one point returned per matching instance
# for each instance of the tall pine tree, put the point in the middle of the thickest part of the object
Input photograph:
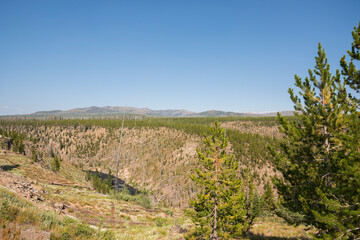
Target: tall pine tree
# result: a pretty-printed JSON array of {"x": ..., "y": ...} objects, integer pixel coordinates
[
  {"x": 348, "y": 184},
  {"x": 219, "y": 209},
  {"x": 309, "y": 160},
  {"x": 349, "y": 70},
  {"x": 336, "y": 196}
]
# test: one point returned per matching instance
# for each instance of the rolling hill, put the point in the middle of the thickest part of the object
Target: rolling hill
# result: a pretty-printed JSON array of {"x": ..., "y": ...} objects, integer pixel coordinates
[{"x": 117, "y": 111}]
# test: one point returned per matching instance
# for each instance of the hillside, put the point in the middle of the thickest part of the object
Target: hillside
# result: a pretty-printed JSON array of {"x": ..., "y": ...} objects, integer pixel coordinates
[
  {"x": 41, "y": 204},
  {"x": 66, "y": 194},
  {"x": 157, "y": 156}
]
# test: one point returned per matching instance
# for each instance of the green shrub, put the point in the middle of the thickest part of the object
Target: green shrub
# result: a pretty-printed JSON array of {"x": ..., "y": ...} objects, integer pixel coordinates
[
  {"x": 169, "y": 212},
  {"x": 141, "y": 198},
  {"x": 73, "y": 229},
  {"x": 33, "y": 154},
  {"x": 160, "y": 222}
]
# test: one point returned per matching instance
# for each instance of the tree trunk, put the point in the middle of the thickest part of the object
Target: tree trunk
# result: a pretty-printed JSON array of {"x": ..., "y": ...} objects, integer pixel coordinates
[
  {"x": 118, "y": 157},
  {"x": 214, "y": 235},
  {"x": 327, "y": 146}
]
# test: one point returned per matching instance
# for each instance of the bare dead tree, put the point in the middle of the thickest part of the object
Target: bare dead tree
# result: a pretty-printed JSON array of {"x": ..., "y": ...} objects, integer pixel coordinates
[
  {"x": 144, "y": 172},
  {"x": 169, "y": 186},
  {"x": 159, "y": 160},
  {"x": 118, "y": 157},
  {"x": 161, "y": 172},
  {"x": 158, "y": 199},
  {"x": 49, "y": 152},
  {"x": 172, "y": 189}
]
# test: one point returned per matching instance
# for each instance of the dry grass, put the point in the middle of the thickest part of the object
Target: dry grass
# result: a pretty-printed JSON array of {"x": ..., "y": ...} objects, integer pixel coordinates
[{"x": 277, "y": 229}]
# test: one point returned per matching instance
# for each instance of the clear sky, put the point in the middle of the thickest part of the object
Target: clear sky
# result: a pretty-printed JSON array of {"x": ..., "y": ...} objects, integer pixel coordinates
[{"x": 196, "y": 55}]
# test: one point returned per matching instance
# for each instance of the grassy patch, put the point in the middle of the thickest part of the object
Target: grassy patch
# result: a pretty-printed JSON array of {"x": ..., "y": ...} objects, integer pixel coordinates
[
  {"x": 277, "y": 228},
  {"x": 16, "y": 211},
  {"x": 140, "y": 199}
]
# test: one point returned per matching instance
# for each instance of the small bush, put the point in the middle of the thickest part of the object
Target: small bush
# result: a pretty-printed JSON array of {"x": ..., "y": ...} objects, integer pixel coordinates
[
  {"x": 73, "y": 230},
  {"x": 140, "y": 198},
  {"x": 160, "y": 222},
  {"x": 169, "y": 212}
]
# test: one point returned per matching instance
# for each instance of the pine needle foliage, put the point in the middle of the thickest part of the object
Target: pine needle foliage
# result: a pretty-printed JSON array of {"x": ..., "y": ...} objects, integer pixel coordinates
[
  {"x": 319, "y": 161},
  {"x": 268, "y": 199},
  {"x": 352, "y": 75},
  {"x": 348, "y": 180},
  {"x": 219, "y": 209}
]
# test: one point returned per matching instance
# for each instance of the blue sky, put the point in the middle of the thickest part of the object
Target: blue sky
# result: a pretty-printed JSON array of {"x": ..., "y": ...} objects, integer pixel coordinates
[{"x": 196, "y": 55}]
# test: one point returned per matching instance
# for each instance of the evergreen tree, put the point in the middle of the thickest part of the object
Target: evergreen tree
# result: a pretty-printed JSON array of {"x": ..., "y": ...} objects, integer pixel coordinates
[
  {"x": 253, "y": 205},
  {"x": 88, "y": 175},
  {"x": 252, "y": 198},
  {"x": 219, "y": 209},
  {"x": 21, "y": 146},
  {"x": 33, "y": 154},
  {"x": 348, "y": 179},
  {"x": 109, "y": 181},
  {"x": 267, "y": 199},
  {"x": 349, "y": 70},
  {"x": 96, "y": 181},
  {"x": 315, "y": 159},
  {"x": 55, "y": 164}
]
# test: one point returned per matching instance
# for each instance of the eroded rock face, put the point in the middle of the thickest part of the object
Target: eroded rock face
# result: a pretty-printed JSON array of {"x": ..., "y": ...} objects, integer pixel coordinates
[{"x": 22, "y": 186}]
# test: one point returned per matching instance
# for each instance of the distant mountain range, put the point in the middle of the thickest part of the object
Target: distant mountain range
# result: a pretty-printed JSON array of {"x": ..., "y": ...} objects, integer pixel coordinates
[{"x": 118, "y": 110}]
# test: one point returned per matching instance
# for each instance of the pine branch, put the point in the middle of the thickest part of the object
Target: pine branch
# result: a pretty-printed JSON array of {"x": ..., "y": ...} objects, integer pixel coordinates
[{"x": 349, "y": 230}]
